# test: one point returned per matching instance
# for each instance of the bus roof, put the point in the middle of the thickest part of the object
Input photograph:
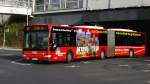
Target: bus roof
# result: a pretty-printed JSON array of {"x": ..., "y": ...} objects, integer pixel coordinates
[
  {"x": 91, "y": 27},
  {"x": 121, "y": 29}
]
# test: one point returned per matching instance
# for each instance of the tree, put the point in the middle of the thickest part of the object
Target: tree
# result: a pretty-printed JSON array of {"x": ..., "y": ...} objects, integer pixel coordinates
[{"x": 3, "y": 21}]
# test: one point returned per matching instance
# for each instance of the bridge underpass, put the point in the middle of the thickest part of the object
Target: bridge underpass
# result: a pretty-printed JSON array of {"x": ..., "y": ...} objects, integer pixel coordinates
[{"x": 14, "y": 8}]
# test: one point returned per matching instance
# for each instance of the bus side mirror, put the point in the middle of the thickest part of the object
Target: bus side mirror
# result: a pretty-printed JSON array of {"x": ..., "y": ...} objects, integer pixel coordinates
[{"x": 53, "y": 45}]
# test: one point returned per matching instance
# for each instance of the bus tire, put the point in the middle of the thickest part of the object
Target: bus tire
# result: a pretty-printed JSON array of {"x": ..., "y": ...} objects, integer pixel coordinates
[
  {"x": 131, "y": 53},
  {"x": 102, "y": 54},
  {"x": 69, "y": 57}
]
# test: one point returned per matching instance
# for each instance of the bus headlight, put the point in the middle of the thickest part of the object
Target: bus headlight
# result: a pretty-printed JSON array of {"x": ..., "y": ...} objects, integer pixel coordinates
[{"x": 48, "y": 56}]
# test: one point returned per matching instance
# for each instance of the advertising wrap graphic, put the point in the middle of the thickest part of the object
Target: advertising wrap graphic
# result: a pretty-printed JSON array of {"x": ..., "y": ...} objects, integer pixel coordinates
[{"x": 87, "y": 43}]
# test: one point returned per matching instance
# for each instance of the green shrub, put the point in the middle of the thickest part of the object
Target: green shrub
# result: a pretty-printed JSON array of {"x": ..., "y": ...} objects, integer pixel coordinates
[{"x": 14, "y": 36}]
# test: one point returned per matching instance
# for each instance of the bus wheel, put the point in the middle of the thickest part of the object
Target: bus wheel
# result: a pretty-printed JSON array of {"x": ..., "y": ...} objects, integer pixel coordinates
[
  {"x": 102, "y": 54},
  {"x": 131, "y": 53},
  {"x": 69, "y": 57}
]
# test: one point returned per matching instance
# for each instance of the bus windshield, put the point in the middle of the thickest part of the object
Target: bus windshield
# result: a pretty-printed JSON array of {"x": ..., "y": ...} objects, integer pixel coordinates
[{"x": 36, "y": 40}]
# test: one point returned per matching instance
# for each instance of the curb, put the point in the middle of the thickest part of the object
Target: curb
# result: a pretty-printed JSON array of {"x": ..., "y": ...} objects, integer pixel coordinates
[{"x": 13, "y": 49}]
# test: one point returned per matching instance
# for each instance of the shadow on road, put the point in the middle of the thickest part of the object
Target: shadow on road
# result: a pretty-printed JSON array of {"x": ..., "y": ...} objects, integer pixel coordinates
[{"x": 11, "y": 57}]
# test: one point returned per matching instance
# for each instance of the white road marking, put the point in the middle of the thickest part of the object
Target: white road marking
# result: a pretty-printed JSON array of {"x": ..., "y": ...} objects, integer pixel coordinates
[
  {"x": 146, "y": 70},
  {"x": 147, "y": 60},
  {"x": 148, "y": 81},
  {"x": 73, "y": 66},
  {"x": 7, "y": 54},
  {"x": 14, "y": 62},
  {"x": 86, "y": 62},
  {"x": 123, "y": 65},
  {"x": 148, "y": 64},
  {"x": 11, "y": 49}
]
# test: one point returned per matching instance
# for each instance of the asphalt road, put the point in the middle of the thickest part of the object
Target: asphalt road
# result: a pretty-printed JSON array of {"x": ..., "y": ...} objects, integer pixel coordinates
[{"x": 14, "y": 70}]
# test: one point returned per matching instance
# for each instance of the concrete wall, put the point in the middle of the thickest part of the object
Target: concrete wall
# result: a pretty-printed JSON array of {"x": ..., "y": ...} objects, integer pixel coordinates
[
  {"x": 63, "y": 18},
  {"x": 14, "y": 10},
  {"x": 15, "y": 7},
  {"x": 103, "y": 4},
  {"x": 146, "y": 2},
  {"x": 110, "y": 4},
  {"x": 97, "y": 4},
  {"x": 124, "y": 3},
  {"x": 95, "y": 16}
]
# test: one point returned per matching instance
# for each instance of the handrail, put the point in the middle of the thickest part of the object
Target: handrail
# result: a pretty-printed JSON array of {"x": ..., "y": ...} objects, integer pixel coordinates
[{"x": 59, "y": 6}]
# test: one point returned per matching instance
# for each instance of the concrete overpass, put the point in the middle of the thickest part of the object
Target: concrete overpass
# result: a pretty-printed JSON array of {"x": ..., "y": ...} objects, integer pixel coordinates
[
  {"x": 76, "y": 11},
  {"x": 21, "y": 7}
]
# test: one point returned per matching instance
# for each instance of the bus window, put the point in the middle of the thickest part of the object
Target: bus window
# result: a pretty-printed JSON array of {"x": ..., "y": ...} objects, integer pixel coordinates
[
  {"x": 126, "y": 40},
  {"x": 53, "y": 43},
  {"x": 63, "y": 38},
  {"x": 36, "y": 40},
  {"x": 103, "y": 39}
]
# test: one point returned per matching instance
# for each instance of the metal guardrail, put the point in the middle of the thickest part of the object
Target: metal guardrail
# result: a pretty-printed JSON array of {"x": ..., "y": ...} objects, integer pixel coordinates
[
  {"x": 66, "y": 5},
  {"x": 70, "y": 5}
]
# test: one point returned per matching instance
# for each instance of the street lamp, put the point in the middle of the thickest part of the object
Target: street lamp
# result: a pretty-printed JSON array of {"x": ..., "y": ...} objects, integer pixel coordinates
[
  {"x": 109, "y": 3},
  {"x": 28, "y": 4}
]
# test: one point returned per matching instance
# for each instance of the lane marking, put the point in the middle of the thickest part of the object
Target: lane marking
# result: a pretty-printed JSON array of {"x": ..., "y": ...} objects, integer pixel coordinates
[
  {"x": 148, "y": 64},
  {"x": 123, "y": 65},
  {"x": 7, "y": 54},
  {"x": 148, "y": 81},
  {"x": 14, "y": 62},
  {"x": 86, "y": 62},
  {"x": 147, "y": 60},
  {"x": 146, "y": 70},
  {"x": 73, "y": 66}
]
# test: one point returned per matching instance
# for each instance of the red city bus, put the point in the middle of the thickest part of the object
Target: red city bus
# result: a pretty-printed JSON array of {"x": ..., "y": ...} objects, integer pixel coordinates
[{"x": 66, "y": 43}]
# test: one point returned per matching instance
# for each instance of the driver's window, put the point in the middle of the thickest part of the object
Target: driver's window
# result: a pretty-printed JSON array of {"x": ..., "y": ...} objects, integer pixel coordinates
[
  {"x": 53, "y": 42},
  {"x": 53, "y": 37}
]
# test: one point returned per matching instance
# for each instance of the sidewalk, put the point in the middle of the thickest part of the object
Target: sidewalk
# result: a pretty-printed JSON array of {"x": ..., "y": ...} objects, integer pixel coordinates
[{"x": 13, "y": 49}]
